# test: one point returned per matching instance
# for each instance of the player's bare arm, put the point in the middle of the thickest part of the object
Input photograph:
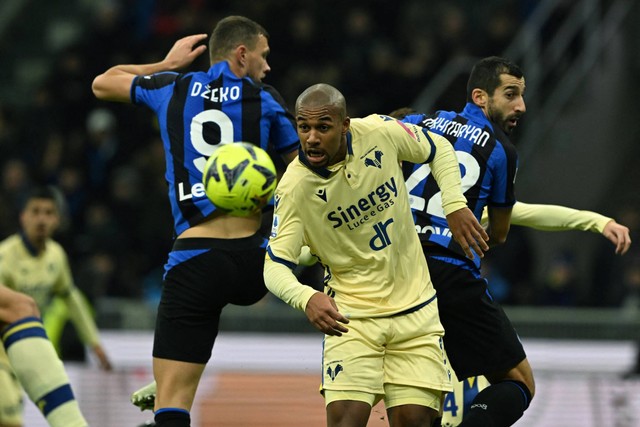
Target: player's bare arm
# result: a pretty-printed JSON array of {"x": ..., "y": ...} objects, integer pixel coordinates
[
  {"x": 499, "y": 224},
  {"x": 468, "y": 232},
  {"x": 115, "y": 83},
  {"x": 103, "y": 359},
  {"x": 322, "y": 312},
  {"x": 618, "y": 234}
]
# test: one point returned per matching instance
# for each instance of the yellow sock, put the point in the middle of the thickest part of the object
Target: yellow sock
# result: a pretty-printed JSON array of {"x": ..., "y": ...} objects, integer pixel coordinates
[{"x": 41, "y": 372}]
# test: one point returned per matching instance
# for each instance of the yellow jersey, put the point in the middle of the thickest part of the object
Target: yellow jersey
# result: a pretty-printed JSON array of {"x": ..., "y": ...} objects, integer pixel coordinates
[{"x": 355, "y": 218}]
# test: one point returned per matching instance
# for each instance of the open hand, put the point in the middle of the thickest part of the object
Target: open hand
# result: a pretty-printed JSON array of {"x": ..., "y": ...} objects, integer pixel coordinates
[
  {"x": 468, "y": 232},
  {"x": 322, "y": 312},
  {"x": 618, "y": 234}
]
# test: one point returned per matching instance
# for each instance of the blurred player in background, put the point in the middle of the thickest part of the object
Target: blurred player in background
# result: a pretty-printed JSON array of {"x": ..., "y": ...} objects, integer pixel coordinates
[
  {"x": 216, "y": 259},
  {"x": 344, "y": 198},
  {"x": 32, "y": 364},
  {"x": 33, "y": 263}
]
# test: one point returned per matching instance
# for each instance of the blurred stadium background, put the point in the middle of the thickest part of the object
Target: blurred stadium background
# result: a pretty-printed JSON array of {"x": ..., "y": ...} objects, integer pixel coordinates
[{"x": 575, "y": 304}]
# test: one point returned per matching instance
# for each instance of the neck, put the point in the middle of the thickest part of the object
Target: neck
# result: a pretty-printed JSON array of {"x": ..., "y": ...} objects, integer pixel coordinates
[
  {"x": 35, "y": 246},
  {"x": 236, "y": 68}
]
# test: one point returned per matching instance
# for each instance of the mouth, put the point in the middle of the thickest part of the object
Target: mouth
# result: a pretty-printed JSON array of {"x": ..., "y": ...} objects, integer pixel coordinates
[{"x": 316, "y": 157}]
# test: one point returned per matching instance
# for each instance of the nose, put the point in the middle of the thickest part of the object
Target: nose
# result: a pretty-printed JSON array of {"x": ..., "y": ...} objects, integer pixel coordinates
[
  {"x": 313, "y": 137},
  {"x": 267, "y": 68},
  {"x": 520, "y": 106}
]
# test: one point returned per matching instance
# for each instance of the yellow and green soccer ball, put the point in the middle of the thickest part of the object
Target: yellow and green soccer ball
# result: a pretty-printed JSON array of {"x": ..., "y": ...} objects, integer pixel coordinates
[{"x": 239, "y": 178}]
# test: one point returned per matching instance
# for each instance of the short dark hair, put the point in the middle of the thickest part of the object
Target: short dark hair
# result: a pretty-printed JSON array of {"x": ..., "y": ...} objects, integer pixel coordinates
[
  {"x": 47, "y": 192},
  {"x": 485, "y": 74},
  {"x": 231, "y": 32},
  {"x": 402, "y": 112}
]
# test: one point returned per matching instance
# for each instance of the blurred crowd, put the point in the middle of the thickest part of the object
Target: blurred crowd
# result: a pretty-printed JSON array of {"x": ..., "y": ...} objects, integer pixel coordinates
[{"x": 108, "y": 161}]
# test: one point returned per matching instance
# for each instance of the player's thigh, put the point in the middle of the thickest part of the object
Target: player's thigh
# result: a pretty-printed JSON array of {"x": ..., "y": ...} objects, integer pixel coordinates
[
  {"x": 248, "y": 280},
  {"x": 479, "y": 337},
  {"x": 411, "y": 415},
  {"x": 415, "y": 366},
  {"x": 189, "y": 310},
  {"x": 354, "y": 362},
  {"x": 348, "y": 412},
  {"x": 203, "y": 276},
  {"x": 11, "y": 394}
]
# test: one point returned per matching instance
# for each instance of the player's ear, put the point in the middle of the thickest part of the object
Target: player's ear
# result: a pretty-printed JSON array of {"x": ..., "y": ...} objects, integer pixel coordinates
[
  {"x": 241, "y": 55},
  {"x": 479, "y": 97},
  {"x": 345, "y": 125}
]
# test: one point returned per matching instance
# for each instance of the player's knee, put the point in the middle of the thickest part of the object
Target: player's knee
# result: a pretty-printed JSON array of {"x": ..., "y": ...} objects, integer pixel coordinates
[
  {"x": 412, "y": 415},
  {"x": 532, "y": 387},
  {"x": 526, "y": 377},
  {"x": 521, "y": 374}
]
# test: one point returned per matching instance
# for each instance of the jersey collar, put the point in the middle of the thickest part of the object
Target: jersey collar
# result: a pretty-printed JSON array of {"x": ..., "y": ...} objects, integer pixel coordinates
[
  {"x": 475, "y": 113},
  {"x": 223, "y": 68},
  {"x": 27, "y": 244}
]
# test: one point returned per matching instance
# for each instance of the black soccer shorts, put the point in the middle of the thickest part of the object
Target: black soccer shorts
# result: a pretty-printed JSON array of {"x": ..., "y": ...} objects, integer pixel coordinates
[
  {"x": 203, "y": 276},
  {"x": 478, "y": 336}
]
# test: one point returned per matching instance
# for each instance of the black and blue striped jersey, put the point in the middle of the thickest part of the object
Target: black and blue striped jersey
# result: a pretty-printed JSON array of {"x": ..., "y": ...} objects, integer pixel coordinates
[
  {"x": 488, "y": 164},
  {"x": 198, "y": 111}
]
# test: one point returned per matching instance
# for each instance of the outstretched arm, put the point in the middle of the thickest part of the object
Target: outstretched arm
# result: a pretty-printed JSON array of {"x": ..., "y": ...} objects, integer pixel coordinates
[
  {"x": 115, "y": 83},
  {"x": 618, "y": 234},
  {"x": 561, "y": 218},
  {"x": 80, "y": 314}
]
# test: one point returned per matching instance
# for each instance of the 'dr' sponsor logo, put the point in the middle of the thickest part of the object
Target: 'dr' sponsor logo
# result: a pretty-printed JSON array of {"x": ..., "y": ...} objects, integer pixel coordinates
[{"x": 381, "y": 239}]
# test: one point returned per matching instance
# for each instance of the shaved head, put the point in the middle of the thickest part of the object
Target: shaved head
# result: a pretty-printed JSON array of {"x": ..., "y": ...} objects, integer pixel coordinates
[
  {"x": 322, "y": 95},
  {"x": 322, "y": 123}
]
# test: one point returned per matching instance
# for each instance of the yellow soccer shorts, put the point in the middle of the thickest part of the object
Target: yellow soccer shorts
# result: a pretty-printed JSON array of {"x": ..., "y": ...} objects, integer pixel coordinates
[{"x": 399, "y": 359}]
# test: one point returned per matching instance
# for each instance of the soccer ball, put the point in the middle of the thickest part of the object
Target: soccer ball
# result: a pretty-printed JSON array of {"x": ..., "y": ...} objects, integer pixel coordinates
[{"x": 239, "y": 178}]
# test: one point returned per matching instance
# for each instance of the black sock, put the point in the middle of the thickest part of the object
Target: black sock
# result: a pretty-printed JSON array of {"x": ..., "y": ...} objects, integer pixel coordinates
[
  {"x": 172, "y": 417},
  {"x": 499, "y": 405}
]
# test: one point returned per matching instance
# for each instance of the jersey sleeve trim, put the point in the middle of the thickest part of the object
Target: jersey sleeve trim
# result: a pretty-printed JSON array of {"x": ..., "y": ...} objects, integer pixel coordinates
[
  {"x": 432, "y": 144},
  {"x": 274, "y": 258}
]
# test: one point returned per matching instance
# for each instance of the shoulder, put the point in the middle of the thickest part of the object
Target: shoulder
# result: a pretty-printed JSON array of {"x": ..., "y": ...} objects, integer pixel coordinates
[
  {"x": 55, "y": 248},
  {"x": 504, "y": 141},
  {"x": 294, "y": 176},
  {"x": 379, "y": 123},
  {"x": 9, "y": 244},
  {"x": 272, "y": 96},
  {"x": 270, "y": 90},
  {"x": 416, "y": 119},
  {"x": 295, "y": 184},
  {"x": 157, "y": 80}
]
